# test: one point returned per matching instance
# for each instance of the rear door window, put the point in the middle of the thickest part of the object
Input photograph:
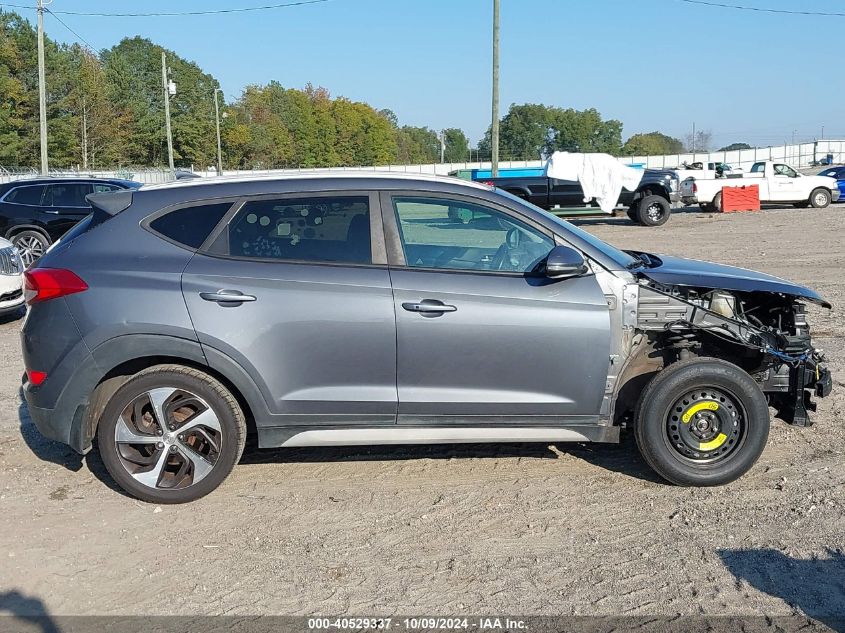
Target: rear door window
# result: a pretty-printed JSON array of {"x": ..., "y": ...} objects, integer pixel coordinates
[
  {"x": 102, "y": 188},
  {"x": 71, "y": 194},
  {"x": 190, "y": 226},
  {"x": 30, "y": 195},
  {"x": 311, "y": 229}
]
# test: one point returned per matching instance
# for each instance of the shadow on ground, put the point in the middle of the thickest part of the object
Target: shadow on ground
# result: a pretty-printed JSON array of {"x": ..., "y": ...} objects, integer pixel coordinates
[
  {"x": 621, "y": 458},
  {"x": 814, "y": 587},
  {"x": 27, "y": 613},
  {"x": 58, "y": 453}
]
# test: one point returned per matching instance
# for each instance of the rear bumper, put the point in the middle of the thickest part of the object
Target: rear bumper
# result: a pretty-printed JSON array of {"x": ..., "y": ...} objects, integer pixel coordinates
[
  {"x": 689, "y": 200},
  {"x": 835, "y": 195},
  {"x": 65, "y": 422}
]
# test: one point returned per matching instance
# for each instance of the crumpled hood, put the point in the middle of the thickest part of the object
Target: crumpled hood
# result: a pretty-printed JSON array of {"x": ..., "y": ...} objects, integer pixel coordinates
[{"x": 679, "y": 271}]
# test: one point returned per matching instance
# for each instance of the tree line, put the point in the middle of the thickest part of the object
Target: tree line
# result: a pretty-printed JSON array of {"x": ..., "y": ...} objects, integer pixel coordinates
[{"x": 106, "y": 109}]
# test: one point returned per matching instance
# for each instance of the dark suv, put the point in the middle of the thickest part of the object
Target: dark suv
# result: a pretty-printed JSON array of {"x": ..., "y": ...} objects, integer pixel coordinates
[
  {"x": 331, "y": 309},
  {"x": 35, "y": 213}
]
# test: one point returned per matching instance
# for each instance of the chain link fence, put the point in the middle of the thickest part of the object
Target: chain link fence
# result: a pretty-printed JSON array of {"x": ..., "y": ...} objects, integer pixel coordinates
[{"x": 801, "y": 156}]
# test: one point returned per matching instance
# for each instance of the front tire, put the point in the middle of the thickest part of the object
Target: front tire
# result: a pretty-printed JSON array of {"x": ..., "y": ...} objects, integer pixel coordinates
[
  {"x": 653, "y": 211},
  {"x": 171, "y": 434},
  {"x": 702, "y": 422},
  {"x": 820, "y": 198}
]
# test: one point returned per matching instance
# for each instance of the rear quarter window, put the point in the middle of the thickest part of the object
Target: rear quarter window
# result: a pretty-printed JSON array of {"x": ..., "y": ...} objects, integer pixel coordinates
[
  {"x": 30, "y": 195},
  {"x": 190, "y": 226}
]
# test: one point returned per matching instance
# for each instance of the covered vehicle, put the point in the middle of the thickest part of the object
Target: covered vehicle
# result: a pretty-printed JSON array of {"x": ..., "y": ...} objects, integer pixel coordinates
[{"x": 348, "y": 308}]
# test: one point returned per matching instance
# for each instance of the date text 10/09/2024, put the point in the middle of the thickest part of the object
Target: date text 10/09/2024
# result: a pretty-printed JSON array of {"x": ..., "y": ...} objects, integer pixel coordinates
[{"x": 417, "y": 623}]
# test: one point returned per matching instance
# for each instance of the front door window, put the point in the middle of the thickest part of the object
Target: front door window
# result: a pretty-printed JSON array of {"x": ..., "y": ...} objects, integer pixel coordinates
[{"x": 456, "y": 235}]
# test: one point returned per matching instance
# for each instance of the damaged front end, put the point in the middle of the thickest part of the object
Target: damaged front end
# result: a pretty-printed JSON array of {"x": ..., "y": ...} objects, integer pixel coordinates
[{"x": 765, "y": 333}]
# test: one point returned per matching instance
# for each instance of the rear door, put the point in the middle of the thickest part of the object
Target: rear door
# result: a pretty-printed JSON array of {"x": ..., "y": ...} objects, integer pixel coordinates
[
  {"x": 565, "y": 193},
  {"x": 295, "y": 288},
  {"x": 64, "y": 205},
  {"x": 481, "y": 339}
]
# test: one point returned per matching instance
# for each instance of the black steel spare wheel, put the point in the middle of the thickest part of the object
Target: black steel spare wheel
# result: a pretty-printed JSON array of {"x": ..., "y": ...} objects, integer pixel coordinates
[
  {"x": 171, "y": 434},
  {"x": 705, "y": 425}
]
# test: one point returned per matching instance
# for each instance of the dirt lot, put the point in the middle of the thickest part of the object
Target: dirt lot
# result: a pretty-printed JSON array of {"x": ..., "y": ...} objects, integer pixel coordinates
[{"x": 523, "y": 529}]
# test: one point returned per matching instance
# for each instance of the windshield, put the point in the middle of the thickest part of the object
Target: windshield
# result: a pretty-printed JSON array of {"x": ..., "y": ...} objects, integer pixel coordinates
[{"x": 623, "y": 259}]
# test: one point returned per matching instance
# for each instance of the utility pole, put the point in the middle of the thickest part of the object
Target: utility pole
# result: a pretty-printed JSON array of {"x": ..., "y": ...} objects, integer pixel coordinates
[
  {"x": 693, "y": 141},
  {"x": 442, "y": 146},
  {"x": 494, "y": 129},
  {"x": 166, "y": 90},
  {"x": 217, "y": 121},
  {"x": 42, "y": 89}
]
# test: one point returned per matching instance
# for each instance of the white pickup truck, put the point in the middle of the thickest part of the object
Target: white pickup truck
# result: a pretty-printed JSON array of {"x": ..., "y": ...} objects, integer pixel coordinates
[{"x": 778, "y": 184}]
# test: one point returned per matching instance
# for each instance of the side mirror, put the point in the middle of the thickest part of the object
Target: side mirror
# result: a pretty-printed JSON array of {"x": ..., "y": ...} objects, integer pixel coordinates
[{"x": 564, "y": 262}]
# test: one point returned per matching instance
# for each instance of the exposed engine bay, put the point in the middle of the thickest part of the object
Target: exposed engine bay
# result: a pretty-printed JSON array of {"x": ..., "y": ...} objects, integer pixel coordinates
[{"x": 765, "y": 333}]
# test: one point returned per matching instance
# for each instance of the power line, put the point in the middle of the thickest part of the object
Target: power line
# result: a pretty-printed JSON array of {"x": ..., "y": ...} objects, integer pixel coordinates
[
  {"x": 175, "y": 13},
  {"x": 78, "y": 36},
  {"x": 763, "y": 10}
]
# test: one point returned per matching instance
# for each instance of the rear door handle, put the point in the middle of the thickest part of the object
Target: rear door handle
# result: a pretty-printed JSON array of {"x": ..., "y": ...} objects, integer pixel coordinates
[
  {"x": 226, "y": 296},
  {"x": 431, "y": 306}
]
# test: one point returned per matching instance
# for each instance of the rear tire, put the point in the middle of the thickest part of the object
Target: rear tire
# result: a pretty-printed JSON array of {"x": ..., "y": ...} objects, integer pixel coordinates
[
  {"x": 653, "y": 211},
  {"x": 717, "y": 203},
  {"x": 820, "y": 198},
  {"x": 171, "y": 434},
  {"x": 31, "y": 245},
  {"x": 632, "y": 214},
  {"x": 702, "y": 422}
]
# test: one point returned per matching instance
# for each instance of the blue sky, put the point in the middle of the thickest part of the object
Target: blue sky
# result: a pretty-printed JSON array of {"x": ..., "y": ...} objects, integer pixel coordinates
[{"x": 653, "y": 64}]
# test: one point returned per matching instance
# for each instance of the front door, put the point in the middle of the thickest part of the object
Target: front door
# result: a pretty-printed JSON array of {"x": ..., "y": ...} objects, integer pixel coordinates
[
  {"x": 296, "y": 290},
  {"x": 482, "y": 338},
  {"x": 784, "y": 184}
]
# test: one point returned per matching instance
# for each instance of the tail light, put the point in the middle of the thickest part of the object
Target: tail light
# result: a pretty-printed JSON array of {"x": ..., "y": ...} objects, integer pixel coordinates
[
  {"x": 43, "y": 284},
  {"x": 36, "y": 378},
  {"x": 694, "y": 188}
]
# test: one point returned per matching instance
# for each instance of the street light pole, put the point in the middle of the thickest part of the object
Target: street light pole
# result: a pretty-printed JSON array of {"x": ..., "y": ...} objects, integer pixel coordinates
[
  {"x": 42, "y": 89},
  {"x": 494, "y": 128},
  {"x": 166, "y": 91},
  {"x": 217, "y": 121}
]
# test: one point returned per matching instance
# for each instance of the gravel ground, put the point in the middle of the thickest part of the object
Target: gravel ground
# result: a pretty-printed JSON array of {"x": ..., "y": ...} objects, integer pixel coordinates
[{"x": 522, "y": 529}]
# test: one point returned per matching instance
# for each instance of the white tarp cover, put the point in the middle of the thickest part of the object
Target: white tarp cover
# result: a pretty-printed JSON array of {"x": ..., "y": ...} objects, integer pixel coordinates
[{"x": 601, "y": 176}]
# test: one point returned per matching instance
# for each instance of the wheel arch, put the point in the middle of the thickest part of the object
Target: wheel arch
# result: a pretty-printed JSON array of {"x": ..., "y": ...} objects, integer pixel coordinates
[
  {"x": 651, "y": 190},
  {"x": 118, "y": 361},
  {"x": 19, "y": 228}
]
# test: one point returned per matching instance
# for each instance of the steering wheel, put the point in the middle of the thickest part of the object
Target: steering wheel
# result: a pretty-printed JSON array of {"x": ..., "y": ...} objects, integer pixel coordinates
[{"x": 509, "y": 255}]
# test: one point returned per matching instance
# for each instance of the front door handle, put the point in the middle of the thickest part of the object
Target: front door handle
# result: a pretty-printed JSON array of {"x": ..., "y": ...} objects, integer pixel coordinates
[
  {"x": 227, "y": 296},
  {"x": 428, "y": 306}
]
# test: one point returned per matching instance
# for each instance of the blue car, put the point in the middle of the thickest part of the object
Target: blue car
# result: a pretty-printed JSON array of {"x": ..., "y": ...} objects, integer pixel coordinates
[{"x": 839, "y": 174}]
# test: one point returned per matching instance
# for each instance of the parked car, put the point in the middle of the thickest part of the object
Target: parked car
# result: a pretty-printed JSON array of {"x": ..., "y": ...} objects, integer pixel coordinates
[
  {"x": 650, "y": 205},
  {"x": 34, "y": 213},
  {"x": 839, "y": 174},
  {"x": 347, "y": 309},
  {"x": 11, "y": 278},
  {"x": 778, "y": 184}
]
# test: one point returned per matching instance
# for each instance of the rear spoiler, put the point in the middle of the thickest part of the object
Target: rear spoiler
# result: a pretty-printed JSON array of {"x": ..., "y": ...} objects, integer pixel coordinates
[{"x": 111, "y": 202}]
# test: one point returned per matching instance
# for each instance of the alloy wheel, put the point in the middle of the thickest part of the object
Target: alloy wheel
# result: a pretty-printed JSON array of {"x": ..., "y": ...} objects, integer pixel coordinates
[
  {"x": 168, "y": 438},
  {"x": 30, "y": 249}
]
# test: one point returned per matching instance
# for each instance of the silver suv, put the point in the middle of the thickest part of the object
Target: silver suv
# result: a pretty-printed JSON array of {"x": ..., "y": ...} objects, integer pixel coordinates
[{"x": 342, "y": 309}]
